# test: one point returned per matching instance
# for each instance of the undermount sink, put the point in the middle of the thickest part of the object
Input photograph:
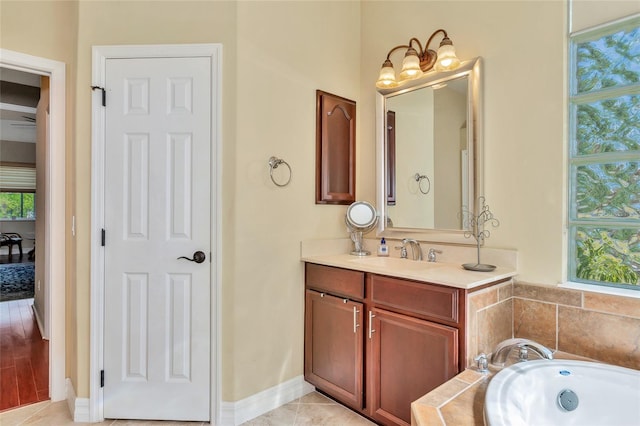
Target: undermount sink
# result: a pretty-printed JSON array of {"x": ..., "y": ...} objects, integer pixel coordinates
[{"x": 397, "y": 263}]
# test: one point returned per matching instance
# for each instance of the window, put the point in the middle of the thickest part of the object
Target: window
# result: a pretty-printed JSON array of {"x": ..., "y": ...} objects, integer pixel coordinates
[
  {"x": 604, "y": 155},
  {"x": 17, "y": 205},
  {"x": 17, "y": 191}
]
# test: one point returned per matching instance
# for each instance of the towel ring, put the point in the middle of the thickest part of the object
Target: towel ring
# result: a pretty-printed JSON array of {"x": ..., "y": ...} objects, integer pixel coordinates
[
  {"x": 419, "y": 178},
  {"x": 274, "y": 162}
]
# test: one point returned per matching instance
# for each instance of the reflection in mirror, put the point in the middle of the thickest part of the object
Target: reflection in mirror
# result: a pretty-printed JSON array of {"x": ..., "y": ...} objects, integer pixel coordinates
[
  {"x": 429, "y": 151},
  {"x": 430, "y": 123}
]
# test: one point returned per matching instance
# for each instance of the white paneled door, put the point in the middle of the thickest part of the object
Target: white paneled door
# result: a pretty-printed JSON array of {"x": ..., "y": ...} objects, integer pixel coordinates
[{"x": 157, "y": 210}]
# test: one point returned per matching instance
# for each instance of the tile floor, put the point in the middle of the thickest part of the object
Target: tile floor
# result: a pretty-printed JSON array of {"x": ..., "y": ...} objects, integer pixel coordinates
[
  {"x": 19, "y": 341},
  {"x": 312, "y": 409}
]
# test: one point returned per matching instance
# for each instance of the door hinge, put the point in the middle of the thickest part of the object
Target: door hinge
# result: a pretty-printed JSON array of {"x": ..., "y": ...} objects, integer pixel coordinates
[
  {"x": 103, "y": 237},
  {"x": 101, "y": 378},
  {"x": 104, "y": 94}
]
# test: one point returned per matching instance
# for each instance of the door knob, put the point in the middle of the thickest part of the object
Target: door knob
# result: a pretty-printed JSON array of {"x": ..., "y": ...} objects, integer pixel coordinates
[{"x": 198, "y": 257}]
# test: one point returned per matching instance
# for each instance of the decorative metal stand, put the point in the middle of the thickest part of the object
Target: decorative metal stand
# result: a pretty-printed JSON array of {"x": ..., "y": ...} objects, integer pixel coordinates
[{"x": 474, "y": 225}]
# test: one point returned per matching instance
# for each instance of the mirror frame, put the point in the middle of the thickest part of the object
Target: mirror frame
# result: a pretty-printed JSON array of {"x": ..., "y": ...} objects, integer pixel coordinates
[{"x": 472, "y": 70}]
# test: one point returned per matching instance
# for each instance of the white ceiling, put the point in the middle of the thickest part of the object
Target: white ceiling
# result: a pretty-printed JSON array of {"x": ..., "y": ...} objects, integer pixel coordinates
[{"x": 17, "y": 122}]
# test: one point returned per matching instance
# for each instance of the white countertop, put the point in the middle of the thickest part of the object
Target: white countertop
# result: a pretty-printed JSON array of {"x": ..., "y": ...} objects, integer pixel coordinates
[{"x": 449, "y": 274}]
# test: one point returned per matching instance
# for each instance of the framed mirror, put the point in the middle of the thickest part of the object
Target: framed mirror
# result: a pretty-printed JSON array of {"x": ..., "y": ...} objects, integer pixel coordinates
[{"x": 429, "y": 155}]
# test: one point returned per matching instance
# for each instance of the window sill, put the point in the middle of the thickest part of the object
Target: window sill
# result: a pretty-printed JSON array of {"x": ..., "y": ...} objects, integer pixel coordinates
[{"x": 601, "y": 289}]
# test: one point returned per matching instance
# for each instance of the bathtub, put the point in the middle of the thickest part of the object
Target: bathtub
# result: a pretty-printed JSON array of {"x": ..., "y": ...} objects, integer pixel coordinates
[{"x": 563, "y": 392}]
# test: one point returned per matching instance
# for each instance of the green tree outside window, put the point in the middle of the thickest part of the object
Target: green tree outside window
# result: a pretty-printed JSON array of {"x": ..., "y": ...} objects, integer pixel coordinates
[
  {"x": 17, "y": 205},
  {"x": 604, "y": 157}
]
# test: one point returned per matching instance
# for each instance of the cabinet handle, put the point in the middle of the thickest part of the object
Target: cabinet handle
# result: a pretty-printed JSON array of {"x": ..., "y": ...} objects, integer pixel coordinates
[
  {"x": 355, "y": 319},
  {"x": 321, "y": 294},
  {"x": 371, "y": 330}
]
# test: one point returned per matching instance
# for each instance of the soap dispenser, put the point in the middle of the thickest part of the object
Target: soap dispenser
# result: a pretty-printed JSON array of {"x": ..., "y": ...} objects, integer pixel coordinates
[{"x": 383, "y": 250}]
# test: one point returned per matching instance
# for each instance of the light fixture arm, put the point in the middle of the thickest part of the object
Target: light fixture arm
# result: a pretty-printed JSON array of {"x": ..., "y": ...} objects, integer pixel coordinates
[
  {"x": 446, "y": 37},
  {"x": 420, "y": 50},
  {"x": 402, "y": 46}
]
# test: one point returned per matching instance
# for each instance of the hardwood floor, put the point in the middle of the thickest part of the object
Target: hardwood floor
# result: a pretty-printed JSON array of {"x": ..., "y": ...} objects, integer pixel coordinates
[{"x": 24, "y": 356}]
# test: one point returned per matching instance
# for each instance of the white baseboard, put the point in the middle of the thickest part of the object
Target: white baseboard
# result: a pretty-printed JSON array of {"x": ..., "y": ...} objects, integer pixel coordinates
[
  {"x": 236, "y": 413},
  {"x": 38, "y": 320},
  {"x": 78, "y": 407}
]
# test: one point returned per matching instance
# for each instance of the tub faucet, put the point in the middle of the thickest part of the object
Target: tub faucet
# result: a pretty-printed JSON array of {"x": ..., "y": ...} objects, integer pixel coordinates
[
  {"x": 503, "y": 349},
  {"x": 416, "y": 251}
]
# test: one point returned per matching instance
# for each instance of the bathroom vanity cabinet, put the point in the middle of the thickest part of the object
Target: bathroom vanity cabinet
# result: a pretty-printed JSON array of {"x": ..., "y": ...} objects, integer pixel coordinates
[{"x": 377, "y": 343}]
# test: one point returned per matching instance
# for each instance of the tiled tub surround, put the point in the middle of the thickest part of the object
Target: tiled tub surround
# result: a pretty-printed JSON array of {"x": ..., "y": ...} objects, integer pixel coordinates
[
  {"x": 598, "y": 326},
  {"x": 460, "y": 401},
  {"x": 602, "y": 327},
  {"x": 575, "y": 324}
]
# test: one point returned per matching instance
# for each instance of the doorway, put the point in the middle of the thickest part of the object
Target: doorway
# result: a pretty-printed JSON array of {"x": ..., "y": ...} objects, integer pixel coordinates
[
  {"x": 151, "y": 171},
  {"x": 53, "y": 246}
]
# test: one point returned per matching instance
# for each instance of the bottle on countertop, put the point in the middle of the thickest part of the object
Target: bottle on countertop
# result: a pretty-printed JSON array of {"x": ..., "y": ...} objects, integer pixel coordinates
[{"x": 383, "y": 250}]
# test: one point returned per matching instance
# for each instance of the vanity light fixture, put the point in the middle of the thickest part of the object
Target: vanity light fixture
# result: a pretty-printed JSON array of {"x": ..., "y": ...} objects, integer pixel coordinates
[{"x": 417, "y": 62}]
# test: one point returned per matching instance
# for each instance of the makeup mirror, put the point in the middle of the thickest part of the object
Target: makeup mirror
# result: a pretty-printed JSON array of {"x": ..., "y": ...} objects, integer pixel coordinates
[{"x": 361, "y": 217}]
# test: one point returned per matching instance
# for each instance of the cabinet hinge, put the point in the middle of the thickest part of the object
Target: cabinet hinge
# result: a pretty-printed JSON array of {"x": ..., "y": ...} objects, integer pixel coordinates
[
  {"x": 101, "y": 378},
  {"x": 104, "y": 94},
  {"x": 103, "y": 237}
]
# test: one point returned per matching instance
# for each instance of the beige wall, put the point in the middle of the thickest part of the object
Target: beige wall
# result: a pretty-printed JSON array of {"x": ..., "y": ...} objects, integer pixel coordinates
[
  {"x": 523, "y": 108},
  {"x": 286, "y": 50},
  {"x": 589, "y": 13},
  {"x": 140, "y": 22},
  {"x": 48, "y": 29},
  {"x": 275, "y": 55},
  {"x": 42, "y": 169},
  {"x": 17, "y": 152},
  {"x": 271, "y": 71}
]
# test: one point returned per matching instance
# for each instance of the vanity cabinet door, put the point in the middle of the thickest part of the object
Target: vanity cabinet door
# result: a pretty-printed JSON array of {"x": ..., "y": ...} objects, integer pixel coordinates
[
  {"x": 407, "y": 357},
  {"x": 333, "y": 338}
]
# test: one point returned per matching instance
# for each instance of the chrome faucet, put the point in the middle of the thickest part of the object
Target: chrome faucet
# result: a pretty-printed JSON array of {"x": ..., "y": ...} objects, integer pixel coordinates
[
  {"x": 431, "y": 256},
  {"x": 503, "y": 349},
  {"x": 416, "y": 251}
]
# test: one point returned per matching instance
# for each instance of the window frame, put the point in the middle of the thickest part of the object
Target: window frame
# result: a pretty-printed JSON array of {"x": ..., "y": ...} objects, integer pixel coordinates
[{"x": 574, "y": 161}]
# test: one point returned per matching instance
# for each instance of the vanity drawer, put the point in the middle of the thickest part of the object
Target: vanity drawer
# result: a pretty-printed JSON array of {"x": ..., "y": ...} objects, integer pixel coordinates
[
  {"x": 427, "y": 300},
  {"x": 337, "y": 281}
]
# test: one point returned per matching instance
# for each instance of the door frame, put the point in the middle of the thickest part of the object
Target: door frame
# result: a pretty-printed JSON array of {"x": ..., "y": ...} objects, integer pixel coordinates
[
  {"x": 55, "y": 203},
  {"x": 99, "y": 56}
]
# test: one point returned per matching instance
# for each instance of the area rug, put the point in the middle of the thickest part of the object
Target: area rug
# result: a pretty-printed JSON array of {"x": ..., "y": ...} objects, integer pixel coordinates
[{"x": 16, "y": 281}]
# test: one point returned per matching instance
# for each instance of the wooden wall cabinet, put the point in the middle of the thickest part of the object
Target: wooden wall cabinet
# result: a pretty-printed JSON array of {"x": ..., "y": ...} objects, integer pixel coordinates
[
  {"x": 335, "y": 149},
  {"x": 378, "y": 343}
]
